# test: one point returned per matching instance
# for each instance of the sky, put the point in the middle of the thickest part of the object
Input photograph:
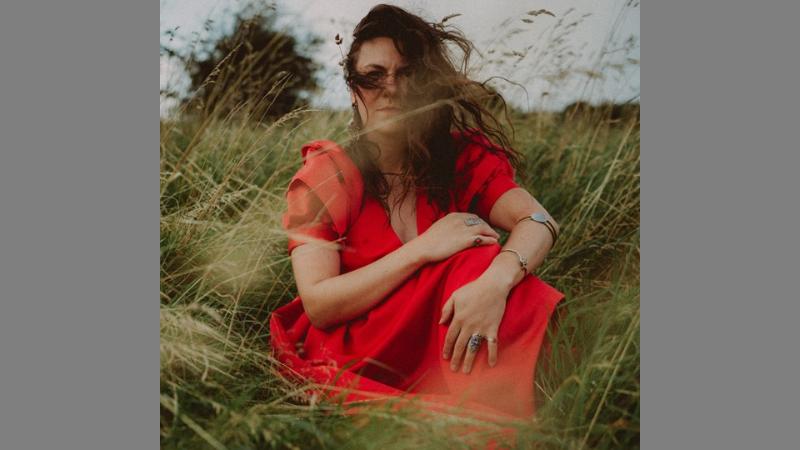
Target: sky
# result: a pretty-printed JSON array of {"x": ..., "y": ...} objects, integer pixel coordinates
[{"x": 600, "y": 51}]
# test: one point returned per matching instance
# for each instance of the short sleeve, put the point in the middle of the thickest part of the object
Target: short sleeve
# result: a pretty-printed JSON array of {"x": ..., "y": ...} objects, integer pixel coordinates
[
  {"x": 323, "y": 197},
  {"x": 306, "y": 218},
  {"x": 485, "y": 174}
]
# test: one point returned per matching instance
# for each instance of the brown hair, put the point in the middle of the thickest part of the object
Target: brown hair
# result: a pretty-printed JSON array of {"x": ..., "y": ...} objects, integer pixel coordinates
[{"x": 440, "y": 95}]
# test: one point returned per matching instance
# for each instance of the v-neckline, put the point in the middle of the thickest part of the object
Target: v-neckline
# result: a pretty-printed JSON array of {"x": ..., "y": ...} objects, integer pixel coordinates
[{"x": 416, "y": 219}]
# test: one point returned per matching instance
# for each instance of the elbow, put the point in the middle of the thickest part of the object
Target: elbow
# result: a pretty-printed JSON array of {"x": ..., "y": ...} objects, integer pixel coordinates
[
  {"x": 316, "y": 315},
  {"x": 318, "y": 322}
]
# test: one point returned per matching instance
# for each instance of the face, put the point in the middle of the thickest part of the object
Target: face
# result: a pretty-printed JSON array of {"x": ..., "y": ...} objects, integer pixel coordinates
[{"x": 386, "y": 74}]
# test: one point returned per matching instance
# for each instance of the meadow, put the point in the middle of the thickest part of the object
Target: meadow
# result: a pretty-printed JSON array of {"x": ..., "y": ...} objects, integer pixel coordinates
[{"x": 224, "y": 268}]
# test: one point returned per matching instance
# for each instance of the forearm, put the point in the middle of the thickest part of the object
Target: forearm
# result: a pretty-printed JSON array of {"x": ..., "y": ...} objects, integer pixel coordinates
[
  {"x": 347, "y": 296},
  {"x": 533, "y": 241}
]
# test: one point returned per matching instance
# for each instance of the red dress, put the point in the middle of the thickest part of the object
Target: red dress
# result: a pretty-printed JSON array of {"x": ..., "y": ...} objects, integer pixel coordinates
[{"x": 396, "y": 347}]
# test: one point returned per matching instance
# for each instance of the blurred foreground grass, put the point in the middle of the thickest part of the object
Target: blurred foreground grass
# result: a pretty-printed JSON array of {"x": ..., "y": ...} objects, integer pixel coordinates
[{"x": 224, "y": 268}]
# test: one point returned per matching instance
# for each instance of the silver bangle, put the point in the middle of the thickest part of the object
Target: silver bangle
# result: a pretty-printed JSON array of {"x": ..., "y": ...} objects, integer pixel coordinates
[
  {"x": 545, "y": 220},
  {"x": 523, "y": 261}
]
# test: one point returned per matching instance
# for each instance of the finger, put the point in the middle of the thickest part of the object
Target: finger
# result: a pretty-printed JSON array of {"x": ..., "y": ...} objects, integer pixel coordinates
[
  {"x": 487, "y": 229},
  {"x": 450, "y": 340},
  {"x": 491, "y": 342},
  {"x": 447, "y": 311},
  {"x": 477, "y": 240},
  {"x": 469, "y": 357},
  {"x": 488, "y": 240},
  {"x": 483, "y": 240},
  {"x": 458, "y": 350}
]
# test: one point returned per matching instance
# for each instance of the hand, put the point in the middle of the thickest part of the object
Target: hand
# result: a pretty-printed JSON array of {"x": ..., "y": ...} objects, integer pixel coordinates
[
  {"x": 476, "y": 307},
  {"x": 451, "y": 234}
]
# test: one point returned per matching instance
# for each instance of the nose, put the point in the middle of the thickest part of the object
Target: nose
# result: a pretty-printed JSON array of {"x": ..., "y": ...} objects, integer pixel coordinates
[{"x": 390, "y": 88}]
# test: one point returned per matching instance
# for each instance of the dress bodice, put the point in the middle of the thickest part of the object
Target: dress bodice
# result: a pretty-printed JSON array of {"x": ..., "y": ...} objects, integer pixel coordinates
[
  {"x": 326, "y": 199},
  {"x": 371, "y": 235}
]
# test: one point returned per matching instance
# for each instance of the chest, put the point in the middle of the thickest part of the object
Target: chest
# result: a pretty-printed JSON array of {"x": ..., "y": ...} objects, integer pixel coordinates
[
  {"x": 403, "y": 216},
  {"x": 373, "y": 233}
]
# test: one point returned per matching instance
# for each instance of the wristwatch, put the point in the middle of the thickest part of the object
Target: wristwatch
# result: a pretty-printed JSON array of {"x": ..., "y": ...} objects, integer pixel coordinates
[{"x": 545, "y": 220}]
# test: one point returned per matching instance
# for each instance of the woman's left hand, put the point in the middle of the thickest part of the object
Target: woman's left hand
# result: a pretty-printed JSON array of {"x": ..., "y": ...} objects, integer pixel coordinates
[{"x": 476, "y": 307}]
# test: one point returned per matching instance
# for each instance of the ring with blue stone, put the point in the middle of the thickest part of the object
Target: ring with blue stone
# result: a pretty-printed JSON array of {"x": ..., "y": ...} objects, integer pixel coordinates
[{"x": 475, "y": 342}]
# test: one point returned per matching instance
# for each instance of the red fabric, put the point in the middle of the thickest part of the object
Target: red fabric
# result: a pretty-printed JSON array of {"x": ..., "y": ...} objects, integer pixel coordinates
[
  {"x": 324, "y": 196},
  {"x": 395, "y": 349}
]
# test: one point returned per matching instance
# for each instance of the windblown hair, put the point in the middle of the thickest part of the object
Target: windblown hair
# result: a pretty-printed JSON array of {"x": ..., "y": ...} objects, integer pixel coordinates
[{"x": 441, "y": 99}]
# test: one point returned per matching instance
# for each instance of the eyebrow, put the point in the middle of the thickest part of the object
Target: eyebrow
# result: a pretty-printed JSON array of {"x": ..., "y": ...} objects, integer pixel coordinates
[{"x": 378, "y": 66}]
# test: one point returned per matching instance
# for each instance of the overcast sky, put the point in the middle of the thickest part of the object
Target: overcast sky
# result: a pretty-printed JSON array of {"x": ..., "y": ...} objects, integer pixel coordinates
[{"x": 604, "y": 40}]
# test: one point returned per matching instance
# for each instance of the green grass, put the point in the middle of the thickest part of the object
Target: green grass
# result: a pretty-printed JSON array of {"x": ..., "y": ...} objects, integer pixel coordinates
[{"x": 224, "y": 268}]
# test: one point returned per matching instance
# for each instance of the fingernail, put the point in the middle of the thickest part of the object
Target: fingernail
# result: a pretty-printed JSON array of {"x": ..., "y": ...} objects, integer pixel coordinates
[
  {"x": 453, "y": 367},
  {"x": 444, "y": 355}
]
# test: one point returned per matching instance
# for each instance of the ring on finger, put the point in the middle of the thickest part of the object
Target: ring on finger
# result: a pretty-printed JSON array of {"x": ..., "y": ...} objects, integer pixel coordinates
[
  {"x": 491, "y": 340},
  {"x": 475, "y": 342},
  {"x": 473, "y": 220},
  {"x": 477, "y": 241}
]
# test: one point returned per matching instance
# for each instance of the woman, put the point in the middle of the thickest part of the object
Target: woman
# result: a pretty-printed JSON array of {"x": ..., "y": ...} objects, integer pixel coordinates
[{"x": 402, "y": 284}]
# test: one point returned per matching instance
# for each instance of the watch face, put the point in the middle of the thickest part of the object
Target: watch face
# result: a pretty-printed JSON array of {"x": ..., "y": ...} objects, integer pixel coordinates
[{"x": 539, "y": 217}]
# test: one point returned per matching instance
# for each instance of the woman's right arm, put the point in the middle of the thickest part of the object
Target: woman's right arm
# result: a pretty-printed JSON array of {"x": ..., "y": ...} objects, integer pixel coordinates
[{"x": 330, "y": 298}]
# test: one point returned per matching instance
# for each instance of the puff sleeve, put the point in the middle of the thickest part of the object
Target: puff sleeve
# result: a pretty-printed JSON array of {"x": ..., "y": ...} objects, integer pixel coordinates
[
  {"x": 323, "y": 197},
  {"x": 484, "y": 173}
]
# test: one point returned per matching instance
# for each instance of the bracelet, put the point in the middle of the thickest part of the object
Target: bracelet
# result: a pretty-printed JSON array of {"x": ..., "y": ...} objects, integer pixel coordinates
[
  {"x": 523, "y": 261},
  {"x": 543, "y": 219}
]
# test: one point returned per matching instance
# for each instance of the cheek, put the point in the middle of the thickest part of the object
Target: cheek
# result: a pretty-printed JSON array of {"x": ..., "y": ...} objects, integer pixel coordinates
[
  {"x": 369, "y": 99},
  {"x": 366, "y": 105}
]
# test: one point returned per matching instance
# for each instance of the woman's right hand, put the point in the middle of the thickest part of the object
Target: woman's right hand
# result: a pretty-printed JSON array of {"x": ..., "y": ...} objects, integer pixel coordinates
[{"x": 451, "y": 234}]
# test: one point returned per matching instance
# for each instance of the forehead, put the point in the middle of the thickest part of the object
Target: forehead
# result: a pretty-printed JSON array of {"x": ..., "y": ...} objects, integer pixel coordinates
[{"x": 379, "y": 51}]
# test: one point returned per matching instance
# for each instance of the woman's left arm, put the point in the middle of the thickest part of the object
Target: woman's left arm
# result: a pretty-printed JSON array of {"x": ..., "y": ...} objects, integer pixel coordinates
[
  {"x": 531, "y": 239},
  {"x": 478, "y": 307}
]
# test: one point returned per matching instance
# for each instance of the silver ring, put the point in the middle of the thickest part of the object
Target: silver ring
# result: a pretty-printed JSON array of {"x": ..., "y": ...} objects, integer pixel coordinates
[
  {"x": 475, "y": 342},
  {"x": 473, "y": 220}
]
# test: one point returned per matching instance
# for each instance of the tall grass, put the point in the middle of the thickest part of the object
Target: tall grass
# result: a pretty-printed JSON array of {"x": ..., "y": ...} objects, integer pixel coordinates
[{"x": 224, "y": 268}]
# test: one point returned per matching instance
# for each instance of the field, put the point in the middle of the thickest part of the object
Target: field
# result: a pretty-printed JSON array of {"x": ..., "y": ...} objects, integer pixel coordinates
[{"x": 224, "y": 268}]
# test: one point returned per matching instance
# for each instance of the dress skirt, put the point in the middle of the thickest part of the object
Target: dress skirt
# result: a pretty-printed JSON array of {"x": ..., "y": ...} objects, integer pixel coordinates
[{"x": 397, "y": 346}]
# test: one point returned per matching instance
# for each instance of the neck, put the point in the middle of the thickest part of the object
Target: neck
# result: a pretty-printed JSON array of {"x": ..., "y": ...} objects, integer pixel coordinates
[{"x": 393, "y": 152}]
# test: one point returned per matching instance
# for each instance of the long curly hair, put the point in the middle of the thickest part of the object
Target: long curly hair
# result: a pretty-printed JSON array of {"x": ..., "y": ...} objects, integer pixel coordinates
[{"x": 441, "y": 100}]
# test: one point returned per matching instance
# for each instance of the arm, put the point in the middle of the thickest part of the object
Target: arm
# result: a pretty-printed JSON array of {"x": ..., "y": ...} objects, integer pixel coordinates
[
  {"x": 480, "y": 305},
  {"x": 330, "y": 298},
  {"x": 529, "y": 238}
]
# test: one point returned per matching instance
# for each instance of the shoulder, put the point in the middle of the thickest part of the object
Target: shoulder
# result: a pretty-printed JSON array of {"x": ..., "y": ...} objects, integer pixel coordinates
[
  {"x": 477, "y": 151},
  {"x": 333, "y": 152},
  {"x": 330, "y": 174},
  {"x": 324, "y": 160}
]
